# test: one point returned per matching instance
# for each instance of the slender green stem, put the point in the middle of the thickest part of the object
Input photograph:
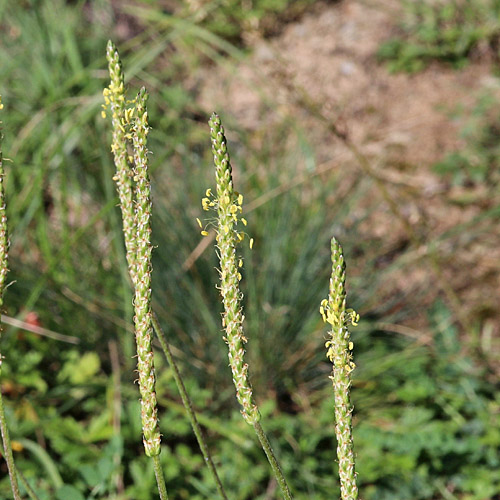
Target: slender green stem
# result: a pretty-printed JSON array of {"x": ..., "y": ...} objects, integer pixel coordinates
[
  {"x": 160, "y": 479},
  {"x": 4, "y": 249},
  {"x": 278, "y": 474},
  {"x": 8, "y": 451},
  {"x": 189, "y": 407}
]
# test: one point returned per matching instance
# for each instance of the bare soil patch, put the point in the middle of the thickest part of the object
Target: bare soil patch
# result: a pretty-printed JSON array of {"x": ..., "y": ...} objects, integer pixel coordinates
[{"x": 326, "y": 65}]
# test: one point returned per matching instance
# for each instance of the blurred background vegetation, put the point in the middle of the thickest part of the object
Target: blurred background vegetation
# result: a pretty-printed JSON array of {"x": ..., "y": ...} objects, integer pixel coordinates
[{"x": 421, "y": 240}]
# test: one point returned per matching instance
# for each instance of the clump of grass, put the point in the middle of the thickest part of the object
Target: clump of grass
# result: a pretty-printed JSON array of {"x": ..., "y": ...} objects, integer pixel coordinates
[
  {"x": 333, "y": 310},
  {"x": 448, "y": 32}
]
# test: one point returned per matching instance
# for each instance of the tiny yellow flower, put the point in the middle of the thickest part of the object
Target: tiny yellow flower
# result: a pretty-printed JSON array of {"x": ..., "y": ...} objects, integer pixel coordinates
[
  {"x": 16, "y": 445},
  {"x": 251, "y": 243},
  {"x": 198, "y": 221},
  {"x": 354, "y": 319},
  {"x": 128, "y": 114}
]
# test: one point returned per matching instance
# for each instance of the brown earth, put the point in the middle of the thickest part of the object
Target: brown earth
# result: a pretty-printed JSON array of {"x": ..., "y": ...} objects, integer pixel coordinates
[{"x": 323, "y": 70}]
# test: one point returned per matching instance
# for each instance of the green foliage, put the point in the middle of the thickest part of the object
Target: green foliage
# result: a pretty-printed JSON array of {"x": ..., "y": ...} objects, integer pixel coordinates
[
  {"x": 232, "y": 19},
  {"x": 445, "y": 31},
  {"x": 435, "y": 425},
  {"x": 426, "y": 418},
  {"x": 477, "y": 162}
]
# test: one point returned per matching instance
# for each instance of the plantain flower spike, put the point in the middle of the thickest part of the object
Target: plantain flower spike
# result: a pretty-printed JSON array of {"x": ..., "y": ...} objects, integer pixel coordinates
[
  {"x": 142, "y": 300},
  {"x": 121, "y": 118},
  {"x": 339, "y": 347},
  {"x": 228, "y": 204}
]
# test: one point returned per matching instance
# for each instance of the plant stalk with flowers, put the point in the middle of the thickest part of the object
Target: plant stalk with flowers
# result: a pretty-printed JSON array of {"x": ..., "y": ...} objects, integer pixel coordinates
[
  {"x": 339, "y": 347},
  {"x": 129, "y": 183},
  {"x": 4, "y": 249},
  {"x": 130, "y": 125},
  {"x": 6, "y": 449},
  {"x": 228, "y": 204},
  {"x": 143, "y": 268},
  {"x": 141, "y": 271},
  {"x": 114, "y": 98}
]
